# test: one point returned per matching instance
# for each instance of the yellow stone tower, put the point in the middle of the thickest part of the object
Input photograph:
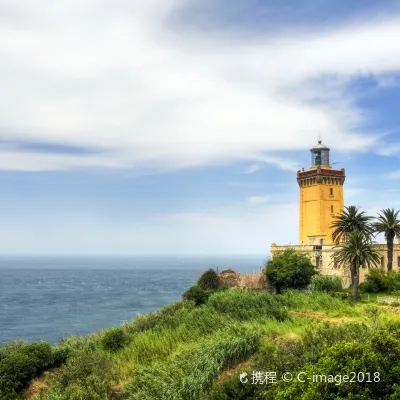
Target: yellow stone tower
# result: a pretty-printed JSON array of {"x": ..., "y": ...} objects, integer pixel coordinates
[{"x": 321, "y": 197}]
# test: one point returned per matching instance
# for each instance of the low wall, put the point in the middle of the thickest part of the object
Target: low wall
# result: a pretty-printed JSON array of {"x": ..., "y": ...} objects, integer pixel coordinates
[
  {"x": 329, "y": 267},
  {"x": 250, "y": 281}
]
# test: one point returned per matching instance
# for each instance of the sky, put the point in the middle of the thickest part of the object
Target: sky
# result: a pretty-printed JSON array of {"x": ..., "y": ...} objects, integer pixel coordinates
[{"x": 177, "y": 126}]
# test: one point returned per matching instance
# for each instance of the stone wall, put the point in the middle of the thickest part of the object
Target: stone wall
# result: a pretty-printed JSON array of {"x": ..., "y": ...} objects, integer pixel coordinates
[{"x": 250, "y": 281}]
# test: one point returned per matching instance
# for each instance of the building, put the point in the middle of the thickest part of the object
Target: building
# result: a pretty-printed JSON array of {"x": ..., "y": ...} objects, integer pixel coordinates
[{"x": 321, "y": 198}]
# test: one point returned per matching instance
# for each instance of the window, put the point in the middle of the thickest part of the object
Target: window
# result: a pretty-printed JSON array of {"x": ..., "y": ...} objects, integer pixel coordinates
[
  {"x": 331, "y": 191},
  {"x": 382, "y": 262},
  {"x": 317, "y": 261},
  {"x": 321, "y": 241},
  {"x": 398, "y": 261},
  {"x": 332, "y": 209}
]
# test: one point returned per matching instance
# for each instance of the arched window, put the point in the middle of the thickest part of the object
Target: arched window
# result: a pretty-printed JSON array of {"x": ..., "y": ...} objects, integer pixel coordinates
[{"x": 331, "y": 191}]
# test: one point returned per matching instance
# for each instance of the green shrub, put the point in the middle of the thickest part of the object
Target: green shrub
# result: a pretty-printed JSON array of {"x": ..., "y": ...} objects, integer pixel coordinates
[
  {"x": 375, "y": 281},
  {"x": 290, "y": 269},
  {"x": 230, "y": 388},
  {"x": 299, "y": 300},
  {"x": 393, "y": 281},
  {"x": 20, "y": 363},
  {"x": 80, "y": 371},
  {"x": 16, "y": 371},
  {"x": 168, "y": 315},
  {"x": 209, "y": 280},
  {"x": 60, "y": 355},
  {"x": 379, "y": 280},
  {"x": 191, "y": 373},
  {"x": 379, "y": 354},
  {"x": 197, "y": 295},
  {"x": 322, "y": 283},
  {"x": 247, "y": 304},
  {"x": 114, "y": 339}
]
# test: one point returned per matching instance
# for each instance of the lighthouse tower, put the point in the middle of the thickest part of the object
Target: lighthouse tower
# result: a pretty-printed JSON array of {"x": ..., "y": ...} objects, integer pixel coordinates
[{"x": 321, "y": 197}]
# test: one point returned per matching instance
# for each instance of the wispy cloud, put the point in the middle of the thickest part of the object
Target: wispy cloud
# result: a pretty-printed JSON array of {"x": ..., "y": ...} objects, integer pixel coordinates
[
  {"x": 258, "y": 200},
  {"x": 116, "y": 77},
  {"x": 393, "y": 175},
  {"x": 252, "y": 168},
  {"x": 389, "y": 149}
]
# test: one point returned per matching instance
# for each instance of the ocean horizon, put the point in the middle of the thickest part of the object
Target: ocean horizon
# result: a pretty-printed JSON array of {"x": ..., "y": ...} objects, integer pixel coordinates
[{"x": 50, "y": 298}]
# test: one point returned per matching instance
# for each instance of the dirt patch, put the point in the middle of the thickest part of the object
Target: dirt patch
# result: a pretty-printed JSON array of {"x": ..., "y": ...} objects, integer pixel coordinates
[
  {"x": 230, "y": 372},
  {"x": 322, "y": 317},
  {"x": 391, "y": 309},
  {"x": 35, "y": 388}
]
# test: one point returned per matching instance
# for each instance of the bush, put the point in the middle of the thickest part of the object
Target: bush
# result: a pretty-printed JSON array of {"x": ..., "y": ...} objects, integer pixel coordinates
[
  {"x": 392, "y": 281},
  {"x": 246, "y": 304},
  {"x": 209, "y": 280},
  {"x": 20, "y": 363},
  {"x": 114, "y": 339},
  {"x": 60, "y": 355},
  {"x": 16, "y": 371},
  {"x": 379, "y": 280},
  {"x": 379, "y": 355},
  {"x": 321, "y": 283},
  {"x": 81, "y": 369},
  {"x": 290, "y": 269},
  {"x": 197, "y": 295},
  {"x": 190, "y": 373},
  {"x": 167, "y": 316}
]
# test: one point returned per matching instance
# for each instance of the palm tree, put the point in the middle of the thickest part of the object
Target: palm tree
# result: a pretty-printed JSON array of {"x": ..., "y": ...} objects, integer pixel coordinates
[
  {"x": 388, "y": 223},
  {"x": 349, "y": 220},
  {"x": 358, "y": 252}
]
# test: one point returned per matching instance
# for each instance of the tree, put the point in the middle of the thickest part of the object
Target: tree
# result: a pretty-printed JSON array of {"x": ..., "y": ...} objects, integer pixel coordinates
[
  {"x": 358, "y": 252},
  {"x": 388, "y": 223},
  {"x": 349, "y": 220},
  {"x": 290, "y": 269}
]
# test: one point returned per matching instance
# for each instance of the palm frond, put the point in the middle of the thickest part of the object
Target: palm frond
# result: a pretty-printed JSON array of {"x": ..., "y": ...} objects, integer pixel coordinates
[
  {"x": 388, "y": 223},
  {"x": 349, "y": 220},
  {"x": 357, "y": 251}
]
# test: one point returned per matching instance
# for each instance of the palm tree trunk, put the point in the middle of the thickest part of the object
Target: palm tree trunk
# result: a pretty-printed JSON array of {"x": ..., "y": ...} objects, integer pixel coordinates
[
  {"x": 356, "y": 281},
  {"x": 390, "y": 253}
]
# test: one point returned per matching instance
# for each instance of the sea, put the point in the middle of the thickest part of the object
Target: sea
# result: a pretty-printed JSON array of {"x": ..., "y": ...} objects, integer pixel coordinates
[{"x": 51, "y": 298}]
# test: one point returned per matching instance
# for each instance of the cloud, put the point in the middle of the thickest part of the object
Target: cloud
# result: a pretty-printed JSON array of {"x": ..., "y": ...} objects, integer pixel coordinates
[
  {"x": 389, "y": 149},
  {"x": 252, "y": 168},
  {"x": 393, "y": 175},
  {"x": 117, "y": 77},
  {"x": 257, "y": 200}
]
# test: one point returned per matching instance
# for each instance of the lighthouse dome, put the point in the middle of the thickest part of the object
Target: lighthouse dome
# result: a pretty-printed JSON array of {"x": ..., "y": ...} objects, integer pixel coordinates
[{"x": 320, "y": 155}]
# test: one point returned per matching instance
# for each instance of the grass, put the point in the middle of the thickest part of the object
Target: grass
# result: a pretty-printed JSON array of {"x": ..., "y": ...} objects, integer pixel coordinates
[
  {"x": 371, "y": 297},
  {"x": 181, "y": 351}
]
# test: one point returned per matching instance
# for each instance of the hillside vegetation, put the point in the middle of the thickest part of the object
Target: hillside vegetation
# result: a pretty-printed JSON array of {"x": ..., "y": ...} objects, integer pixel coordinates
[{"x": 188, "y": 351}]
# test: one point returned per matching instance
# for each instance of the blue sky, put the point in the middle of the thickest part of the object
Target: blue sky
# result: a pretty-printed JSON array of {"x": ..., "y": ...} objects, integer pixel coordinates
[{"x": 177, "y": 126}]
